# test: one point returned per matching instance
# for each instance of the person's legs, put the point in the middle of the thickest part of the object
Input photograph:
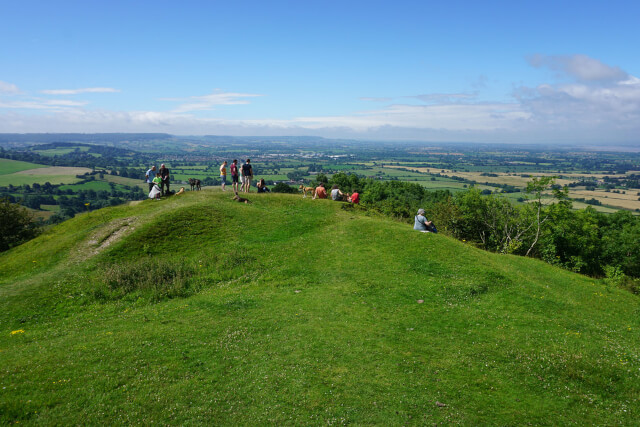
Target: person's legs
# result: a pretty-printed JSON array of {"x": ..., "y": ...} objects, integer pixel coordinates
[
  {"x": 248, "y": 181},
  {"x": 223, "y": 178}
]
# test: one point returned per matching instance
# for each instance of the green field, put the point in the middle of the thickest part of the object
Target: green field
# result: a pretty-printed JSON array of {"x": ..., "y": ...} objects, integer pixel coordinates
[
  {"x": 91, "y": 185},
  {"x": 17, "y": 179},
  {"x": 60, "y": 151},
  {"x": 200, "y": 310},
  {"x": 131, "y": 182},
  {"x": 8, "y": 166}
]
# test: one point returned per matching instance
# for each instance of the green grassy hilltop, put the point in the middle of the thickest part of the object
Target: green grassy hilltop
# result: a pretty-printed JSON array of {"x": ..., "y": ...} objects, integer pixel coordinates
[{"x": 197, "y": 309}]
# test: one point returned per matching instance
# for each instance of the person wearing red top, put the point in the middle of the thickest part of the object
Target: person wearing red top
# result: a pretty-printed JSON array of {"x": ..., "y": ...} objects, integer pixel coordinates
[
  {"x": 354, "y": 198},
  {"x": 320, "y": 193},
  {"x": 234, "y": 175}
]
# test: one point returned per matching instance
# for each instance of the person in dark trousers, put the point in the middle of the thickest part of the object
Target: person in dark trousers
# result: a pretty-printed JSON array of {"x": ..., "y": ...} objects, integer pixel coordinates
[
  {"x": 164, "y": 174},
  {"x": 234, "y": 175},
  {"x": 247, "y": 175},
  {"x": 151, "y": 173}
]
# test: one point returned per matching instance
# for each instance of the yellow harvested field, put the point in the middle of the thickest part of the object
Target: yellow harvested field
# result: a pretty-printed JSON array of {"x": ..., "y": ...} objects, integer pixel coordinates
[
  {"x": 55, "y": 170},
  {"x": 625, "y": 201},
  {"x": 503, "y": 178}
]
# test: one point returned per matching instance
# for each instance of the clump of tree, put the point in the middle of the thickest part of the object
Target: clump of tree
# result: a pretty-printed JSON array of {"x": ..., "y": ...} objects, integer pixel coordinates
[
  {"x": 17, "y": 226},
  {"x": 283, "y": 187}
]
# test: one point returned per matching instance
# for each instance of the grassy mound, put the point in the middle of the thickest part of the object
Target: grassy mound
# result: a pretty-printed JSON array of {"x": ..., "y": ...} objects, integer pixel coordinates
[{"x": 197, "y": 309}]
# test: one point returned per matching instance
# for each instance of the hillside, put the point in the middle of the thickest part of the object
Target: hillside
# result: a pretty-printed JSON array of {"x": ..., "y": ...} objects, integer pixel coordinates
[{"x": 197, "y": 309}]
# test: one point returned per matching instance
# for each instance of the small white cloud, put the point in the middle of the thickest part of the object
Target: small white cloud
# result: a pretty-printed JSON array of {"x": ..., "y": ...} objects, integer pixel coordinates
[
  {"x": 374, "y": 99},
  {"x": 8, "y": 88},
  {"x": 207, "y": 102},
  {"x": 41, "y": 104},
  {"x": 445, "y": 98},
  {"x": 77, "y": 91}
]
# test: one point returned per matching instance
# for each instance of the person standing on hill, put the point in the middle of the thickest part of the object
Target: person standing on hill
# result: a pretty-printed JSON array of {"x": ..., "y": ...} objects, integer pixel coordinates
[
  {"x": 151, "y": 173},
  {"x": 164, "y": 174},
  {"x": 247, "y": 175},
  {"x": 234, "y": 175},
  {"x": 223, "y": 175}
]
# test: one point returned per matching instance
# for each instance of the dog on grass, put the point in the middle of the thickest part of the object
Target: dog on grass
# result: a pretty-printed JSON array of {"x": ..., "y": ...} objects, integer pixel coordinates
[
  {"x": 240, "y": 199},
  {"x": 195, "y": 183},
  {"x": 306, "y": 190}
]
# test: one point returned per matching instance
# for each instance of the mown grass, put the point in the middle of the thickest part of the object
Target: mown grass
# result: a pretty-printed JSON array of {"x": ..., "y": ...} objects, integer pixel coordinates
[
  {"x": 300, "y": 312},
  {"x": 8, "y": 166}
]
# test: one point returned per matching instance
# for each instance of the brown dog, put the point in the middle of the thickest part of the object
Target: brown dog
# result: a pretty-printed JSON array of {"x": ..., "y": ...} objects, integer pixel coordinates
[
  {"x": 306, "y": 190},
  {"x": 240, "y": 199},
  {"x": 195, "y": 183}
]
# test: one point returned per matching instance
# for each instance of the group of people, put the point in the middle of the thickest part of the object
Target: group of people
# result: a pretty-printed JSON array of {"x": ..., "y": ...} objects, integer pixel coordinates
[
  {"x": 336, "y": 195},
  {"x": 158, "y": 181},
  {"x": 240, "y": 177}
]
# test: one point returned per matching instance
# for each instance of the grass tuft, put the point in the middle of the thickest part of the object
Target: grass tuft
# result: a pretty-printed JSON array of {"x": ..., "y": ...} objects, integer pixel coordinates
[{"x": 155, "y": 278}]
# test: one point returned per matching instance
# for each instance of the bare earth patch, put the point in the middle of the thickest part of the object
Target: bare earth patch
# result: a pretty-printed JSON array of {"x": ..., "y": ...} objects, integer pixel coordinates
[{"x": 106, "y": 236}]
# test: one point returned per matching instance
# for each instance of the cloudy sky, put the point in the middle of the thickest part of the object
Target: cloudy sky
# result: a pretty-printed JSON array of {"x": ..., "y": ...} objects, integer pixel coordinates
[{"x": 493, "y": 71}]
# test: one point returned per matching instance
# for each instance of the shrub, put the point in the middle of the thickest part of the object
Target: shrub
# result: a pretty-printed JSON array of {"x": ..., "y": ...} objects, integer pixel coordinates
[
  {"x": 282, "y": 187},
  {"x": 17, "y": 226}
]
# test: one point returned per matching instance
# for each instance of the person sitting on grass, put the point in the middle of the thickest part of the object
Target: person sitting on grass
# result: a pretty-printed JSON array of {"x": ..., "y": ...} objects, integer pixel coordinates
[
  {"x": 156, "y": 191},
  {"x": 423, "y": 224},
  {"x": 320, "y": 192},
  {"x": 354, "y": 198},
  {"x": 262, "y": 186},
  {"x": 336, "y": 194}
]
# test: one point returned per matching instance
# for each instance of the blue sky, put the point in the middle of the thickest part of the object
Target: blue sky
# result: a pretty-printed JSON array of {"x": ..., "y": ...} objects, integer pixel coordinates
[{"x": 494, "y": 71}]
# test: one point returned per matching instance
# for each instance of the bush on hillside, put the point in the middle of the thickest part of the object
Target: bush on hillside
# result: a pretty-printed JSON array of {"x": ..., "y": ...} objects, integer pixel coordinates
[
  {"x": 282, "y": 187},
  {"x": 17, "y": 226}
]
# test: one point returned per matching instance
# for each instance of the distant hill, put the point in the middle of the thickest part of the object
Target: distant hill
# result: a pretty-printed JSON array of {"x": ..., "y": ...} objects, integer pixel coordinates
[
  {"x": 198, "y": 309},
  {"x": 46, "y": 138}
]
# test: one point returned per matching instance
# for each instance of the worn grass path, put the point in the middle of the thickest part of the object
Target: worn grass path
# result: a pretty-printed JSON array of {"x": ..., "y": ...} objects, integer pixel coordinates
[{"x": 299, "y": 312}]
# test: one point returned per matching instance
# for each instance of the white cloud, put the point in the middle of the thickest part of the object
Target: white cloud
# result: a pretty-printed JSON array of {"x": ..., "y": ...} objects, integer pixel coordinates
[
  {"x": 602, "y": 98},
  {"x": 599, "y": 103},
  {"x": 581, "y": 67},
  {"x": 77, "y": 91},
  {"x": 8, "y": 88},
  {"x": 374, "y": 99},
  {"x": 40, "y": 104},
  {"x": 207, "y": 102},
  {"x": 445, "y": 98}
]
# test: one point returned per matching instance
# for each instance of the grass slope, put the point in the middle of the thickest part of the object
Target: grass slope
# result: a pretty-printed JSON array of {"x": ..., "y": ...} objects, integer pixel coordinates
[{"x": 300, "y": 312}]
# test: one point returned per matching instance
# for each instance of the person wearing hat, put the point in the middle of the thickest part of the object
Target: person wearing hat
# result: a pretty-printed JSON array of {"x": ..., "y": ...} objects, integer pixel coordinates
[{"x": 422, "y": 223}]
